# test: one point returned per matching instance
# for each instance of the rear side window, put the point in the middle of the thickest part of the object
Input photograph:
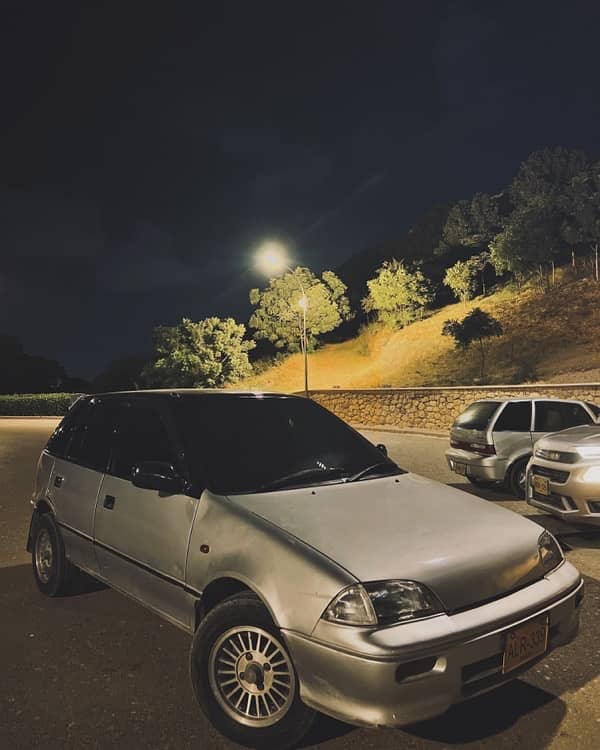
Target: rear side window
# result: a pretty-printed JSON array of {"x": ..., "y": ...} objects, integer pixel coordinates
[
  {"x": 91, "y": 443},
  {"x": 73, "y": 422},
  {"x": 553, "y": 416},
  {"x": 515, "y": 417},
  {"x": 140, "y": 435},
  {"x": 477, "y": 416}
]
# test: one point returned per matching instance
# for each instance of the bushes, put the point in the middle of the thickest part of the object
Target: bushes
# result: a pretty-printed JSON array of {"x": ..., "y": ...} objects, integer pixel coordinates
[{"x": 36, "y": 404}]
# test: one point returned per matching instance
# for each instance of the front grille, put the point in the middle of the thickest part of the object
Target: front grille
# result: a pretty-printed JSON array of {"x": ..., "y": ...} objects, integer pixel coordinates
[{"x": 554, "y": 475}]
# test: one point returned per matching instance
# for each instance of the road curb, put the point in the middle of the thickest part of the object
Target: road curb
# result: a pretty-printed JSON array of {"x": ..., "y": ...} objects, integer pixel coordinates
[{"x": 402, "y": 430}]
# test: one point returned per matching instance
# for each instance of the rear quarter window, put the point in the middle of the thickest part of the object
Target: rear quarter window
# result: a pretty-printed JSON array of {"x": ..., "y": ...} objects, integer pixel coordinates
[
  {"x": 477, "y": 416},
  {"x": 60, "y": 439}
]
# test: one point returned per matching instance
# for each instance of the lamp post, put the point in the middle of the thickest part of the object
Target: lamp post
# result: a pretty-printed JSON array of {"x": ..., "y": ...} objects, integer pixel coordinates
[{"x": 272, "y": 258}]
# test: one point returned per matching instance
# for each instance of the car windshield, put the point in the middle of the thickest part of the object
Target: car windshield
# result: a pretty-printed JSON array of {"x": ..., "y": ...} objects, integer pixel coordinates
[
  {"x": 238, "y": 444},
  {"x": 477, "y": 416}
]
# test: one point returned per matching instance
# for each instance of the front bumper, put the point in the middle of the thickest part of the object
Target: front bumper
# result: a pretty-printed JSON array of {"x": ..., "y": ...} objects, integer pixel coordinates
[
  {"x": 452, "y": 658},
  {"x": 571, "y": 500},
  {"x": 484, "y": 468}
]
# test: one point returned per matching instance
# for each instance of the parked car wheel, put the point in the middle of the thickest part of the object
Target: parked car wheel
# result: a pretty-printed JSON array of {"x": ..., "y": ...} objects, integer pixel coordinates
[
  {"x": 52, "y": 571},
  {"x": 517, "y": 477},
  {"x": 244, "y": 679}
]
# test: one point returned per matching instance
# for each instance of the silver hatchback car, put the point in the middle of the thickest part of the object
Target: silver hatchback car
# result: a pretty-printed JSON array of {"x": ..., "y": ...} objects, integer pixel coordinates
[
  {"x": 313, "y": 574},
  {"x": 492, "y": 440}
]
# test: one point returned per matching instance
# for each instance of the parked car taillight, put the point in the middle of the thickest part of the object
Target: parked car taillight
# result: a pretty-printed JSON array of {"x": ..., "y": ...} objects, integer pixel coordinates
[{"x": 485, "y": 449}]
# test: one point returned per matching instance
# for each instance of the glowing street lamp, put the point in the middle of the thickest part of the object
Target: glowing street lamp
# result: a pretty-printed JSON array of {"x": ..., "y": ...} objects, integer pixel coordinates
[{"x": 272, "y": 258}]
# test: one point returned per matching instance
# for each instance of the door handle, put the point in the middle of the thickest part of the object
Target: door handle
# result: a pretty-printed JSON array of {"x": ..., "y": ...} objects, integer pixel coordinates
[
  {"x": 109, "y": 502},
  {"x": 58, "y": 480}
]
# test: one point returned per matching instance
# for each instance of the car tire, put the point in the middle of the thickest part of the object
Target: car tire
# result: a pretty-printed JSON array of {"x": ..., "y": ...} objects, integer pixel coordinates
[
  {"x": 517, "y": 477},
  {"x": 230, "y": 663},
  {"x": 52, "y": 570}
]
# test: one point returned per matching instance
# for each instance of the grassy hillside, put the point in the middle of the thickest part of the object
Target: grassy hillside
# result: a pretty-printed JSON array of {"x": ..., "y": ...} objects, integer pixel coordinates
[{"x": 548, "y": 337}]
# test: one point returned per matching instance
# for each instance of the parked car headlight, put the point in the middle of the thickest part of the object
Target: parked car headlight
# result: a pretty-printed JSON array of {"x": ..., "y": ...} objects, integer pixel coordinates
[
  {"x": 550, "y": 552},
  {"x": 382, "y": 603},
  {"x": 589, "y": 451},
  {"x": 592, "y": 474}
]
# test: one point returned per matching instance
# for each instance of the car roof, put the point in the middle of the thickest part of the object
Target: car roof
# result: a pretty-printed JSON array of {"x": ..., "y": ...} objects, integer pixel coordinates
[
  {"x": 501, "y": 400},
  {"x": 195, "y": 393}
]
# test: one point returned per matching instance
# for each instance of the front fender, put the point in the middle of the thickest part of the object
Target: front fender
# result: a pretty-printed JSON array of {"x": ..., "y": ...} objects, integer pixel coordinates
[{"x": 295, "y": 581}]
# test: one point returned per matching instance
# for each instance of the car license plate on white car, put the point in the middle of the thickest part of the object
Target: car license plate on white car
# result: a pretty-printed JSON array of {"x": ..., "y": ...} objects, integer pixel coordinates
[
  {"x": 541, "y": 485},
  {"x": 525, "y": 643},
  {"x": 460, "y": 469}
]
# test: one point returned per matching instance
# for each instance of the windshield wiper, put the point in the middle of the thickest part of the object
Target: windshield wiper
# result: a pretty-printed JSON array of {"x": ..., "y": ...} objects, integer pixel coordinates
[
  {"x": 374, "y": 467},
  {"x": 304, "y": 474}
]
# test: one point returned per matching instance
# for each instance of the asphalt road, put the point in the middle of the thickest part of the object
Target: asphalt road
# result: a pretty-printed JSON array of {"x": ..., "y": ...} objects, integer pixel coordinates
[{"x": 95, "y": 670}]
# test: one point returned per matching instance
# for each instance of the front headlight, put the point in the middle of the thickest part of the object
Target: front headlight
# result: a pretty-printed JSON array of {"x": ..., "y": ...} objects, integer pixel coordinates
[
  {"x": 589, "y": 451},
  {"x": 382, "y": 603},
  {"x": 592, "y": 474},
  {"x": 550, "y": 552}
]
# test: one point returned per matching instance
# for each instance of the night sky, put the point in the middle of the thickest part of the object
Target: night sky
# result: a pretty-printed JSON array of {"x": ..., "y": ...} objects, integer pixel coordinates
[{"x": 147, "y": 148}]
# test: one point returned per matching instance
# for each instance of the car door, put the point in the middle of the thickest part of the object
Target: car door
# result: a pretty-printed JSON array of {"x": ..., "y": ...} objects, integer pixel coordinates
[
  {"x": 81, "y": 448},
  {"x": 554, "y": 416},
  {"x": 512, "y": 431},
  {"x": 142, "y": 535}
]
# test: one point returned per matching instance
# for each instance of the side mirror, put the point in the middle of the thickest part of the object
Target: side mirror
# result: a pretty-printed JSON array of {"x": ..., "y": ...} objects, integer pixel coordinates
[
  {"x": 382, "y": 448},
  {"x": 157, "y": 475}
]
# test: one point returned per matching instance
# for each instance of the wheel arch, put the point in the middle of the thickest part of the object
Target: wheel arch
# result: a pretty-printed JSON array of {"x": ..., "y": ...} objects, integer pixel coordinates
[
  {"x": 220, "y": 589},
  {"x": 42, "y": 507},
  {"x": 515, "y": 459}
]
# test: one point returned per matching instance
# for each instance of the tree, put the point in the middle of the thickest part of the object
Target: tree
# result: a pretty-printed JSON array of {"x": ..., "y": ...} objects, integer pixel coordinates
[
  {"x": 209, "y": 354},
  {"x": 580, "y": 205},
  {"x": 474, "y": 223},
  {"x": 462, "y": 277},
  {"x": 531, "y": 242},
  {"x": 278, "y": 317},
  {"x": 397, "y": 295},
  {"x": 545, "y": 174},
  {"x": 476, "y": 327}
]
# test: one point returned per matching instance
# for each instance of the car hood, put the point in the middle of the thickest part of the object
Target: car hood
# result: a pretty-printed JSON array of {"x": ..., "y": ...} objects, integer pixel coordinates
[
  {"x": 466, "y": 550},
  {"x": 571, "y": 438}
]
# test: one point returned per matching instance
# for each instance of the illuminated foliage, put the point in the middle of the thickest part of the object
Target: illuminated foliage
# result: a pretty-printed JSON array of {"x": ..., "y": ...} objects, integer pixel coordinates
[
  {"x": 278, "y": 316},
  {"x": 209, "y": 354},
  {"x": 397, "y": 295}
]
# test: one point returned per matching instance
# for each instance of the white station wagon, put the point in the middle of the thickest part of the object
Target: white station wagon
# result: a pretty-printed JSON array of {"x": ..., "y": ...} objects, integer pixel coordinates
[{"x": 313, "y": 574}]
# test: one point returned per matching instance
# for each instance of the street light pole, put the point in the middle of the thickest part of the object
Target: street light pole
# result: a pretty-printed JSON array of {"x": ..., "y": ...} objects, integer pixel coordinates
[
  {"x": 272, "y": 257},
  {"x": 304, "y": 305}
]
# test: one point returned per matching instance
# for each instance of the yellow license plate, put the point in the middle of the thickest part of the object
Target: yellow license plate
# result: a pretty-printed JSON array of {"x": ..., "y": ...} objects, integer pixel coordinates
[
  {"x": 525, "y": 643},
  {"x": 541, "y": 485}
]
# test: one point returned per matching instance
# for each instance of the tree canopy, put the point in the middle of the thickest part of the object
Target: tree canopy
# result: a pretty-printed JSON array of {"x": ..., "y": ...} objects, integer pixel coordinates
[
  {"x": 531, "y": 239},
  {"x": 397, "y": 294},
  {"x": 462, "y": 277},
  {"x": 208, "y": 353},
  {"x": 279, "y": 312}
]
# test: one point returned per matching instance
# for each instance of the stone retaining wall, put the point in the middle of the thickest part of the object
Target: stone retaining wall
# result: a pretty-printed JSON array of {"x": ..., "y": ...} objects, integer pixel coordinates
[{"x": 434, "y": 408}]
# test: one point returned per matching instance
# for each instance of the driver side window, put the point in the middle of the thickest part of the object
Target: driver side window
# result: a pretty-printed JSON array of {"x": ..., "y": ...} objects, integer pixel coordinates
[{"x": 140, "y": 436}]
